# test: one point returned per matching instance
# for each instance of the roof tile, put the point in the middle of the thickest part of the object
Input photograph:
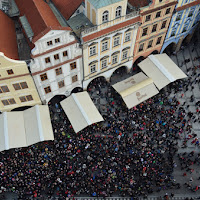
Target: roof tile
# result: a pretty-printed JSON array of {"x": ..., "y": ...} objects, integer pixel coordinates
[{"x": 8, "y": 41}]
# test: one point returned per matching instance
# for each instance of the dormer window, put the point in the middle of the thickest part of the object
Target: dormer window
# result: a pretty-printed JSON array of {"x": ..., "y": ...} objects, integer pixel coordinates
[
  {"x": 118, "y": 12},
  {"x": 105, "y": 16}
]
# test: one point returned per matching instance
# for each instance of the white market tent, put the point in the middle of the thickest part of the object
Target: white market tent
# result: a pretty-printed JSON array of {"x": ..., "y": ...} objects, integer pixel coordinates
[
  {"x": 136, "y": 89},
  {"x": 161, "y": 69},
  {"x": 80, "y": 111},
  {"x": 24, "y": 128}
]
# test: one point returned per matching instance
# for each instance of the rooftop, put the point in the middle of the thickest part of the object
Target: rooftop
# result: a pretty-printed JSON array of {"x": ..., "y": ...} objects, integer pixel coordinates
[
  {"x": 139, "y": 3},
  {"x": 67, "y": 7},
  {"x": 38, "y": 14},
  {"x": 103, "y": 3},
  {"x": 79, "y": 23},
  {"x": 8, "y": 42}
]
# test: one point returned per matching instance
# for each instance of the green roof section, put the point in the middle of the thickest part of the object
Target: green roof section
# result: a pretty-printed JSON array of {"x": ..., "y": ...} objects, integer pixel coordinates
[
  {"x": 26, "y": 26},
  {"x": 102, "y": 3}
]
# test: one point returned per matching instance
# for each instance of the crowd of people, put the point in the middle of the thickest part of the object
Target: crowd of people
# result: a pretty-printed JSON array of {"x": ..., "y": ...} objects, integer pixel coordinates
[{"x": 131, "y": 153}]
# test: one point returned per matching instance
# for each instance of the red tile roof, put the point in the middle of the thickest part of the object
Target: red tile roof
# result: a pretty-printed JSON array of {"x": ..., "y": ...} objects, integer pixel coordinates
[
  {"x": 8, "y": 41},
  {"x": 38, "y": 14},
  {"x": 67, "y": 7},
  {"x": 139, "y": 3}
]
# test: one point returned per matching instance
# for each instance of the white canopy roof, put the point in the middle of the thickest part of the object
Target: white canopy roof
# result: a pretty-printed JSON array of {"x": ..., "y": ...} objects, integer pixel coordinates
[
  {"x": 80, "y": 110},
  {"x": 161, "y": 69},
  {"x": 136, "y": 89},
  {"x": 24, "y": 128}
]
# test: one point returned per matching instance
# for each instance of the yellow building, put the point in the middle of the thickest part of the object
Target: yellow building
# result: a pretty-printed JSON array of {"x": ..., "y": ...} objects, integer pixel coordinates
[{"x": 17, "y": 88}]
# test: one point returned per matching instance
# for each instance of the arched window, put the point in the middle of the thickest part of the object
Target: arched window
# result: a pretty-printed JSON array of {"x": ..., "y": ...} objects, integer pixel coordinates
[
  {"x": 105, "y": 16},
  {"x": 118, "y": 12}
]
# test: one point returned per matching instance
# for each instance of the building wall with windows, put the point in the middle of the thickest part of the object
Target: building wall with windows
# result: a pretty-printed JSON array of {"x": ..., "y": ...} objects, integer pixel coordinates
[
  {"x": 17, "y": 88},
  {"x": 110, "y": 45},
  {"x": 155, "y": 19},
  {"x": 57, "y": 64},
  {"x": 184, "y": 21}
]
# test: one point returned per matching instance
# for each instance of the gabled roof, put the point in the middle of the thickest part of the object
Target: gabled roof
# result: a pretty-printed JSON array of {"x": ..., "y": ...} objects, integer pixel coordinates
[
  {"x": 8, "y": 41},
  {"x": 39, "y": 15},
  {"x": 102, "y": 3},
  {"x": 67, "y": 7},
  {"x": 139, "y": 3}
]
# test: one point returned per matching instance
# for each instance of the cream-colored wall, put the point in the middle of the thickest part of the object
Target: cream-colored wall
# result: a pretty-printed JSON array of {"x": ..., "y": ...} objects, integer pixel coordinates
[
  {"x": 19, "y": 68},
  {"x": 111, "y": 9}
]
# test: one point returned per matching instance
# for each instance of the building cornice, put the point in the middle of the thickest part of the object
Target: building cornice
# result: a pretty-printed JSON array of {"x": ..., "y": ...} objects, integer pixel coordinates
[
  {"x": 17, "y": 76},
  {"x": 194, "y": 3}
]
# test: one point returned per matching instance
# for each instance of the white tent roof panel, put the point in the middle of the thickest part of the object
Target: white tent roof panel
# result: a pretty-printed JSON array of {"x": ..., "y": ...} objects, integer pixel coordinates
[
  {"x": 24, "y": 128},
  {"x": 80, "y": 111},
  {"x": 161, "y": 69},
  {"x": 16, "y": 131},
  {"x": 136, "y": 89}
]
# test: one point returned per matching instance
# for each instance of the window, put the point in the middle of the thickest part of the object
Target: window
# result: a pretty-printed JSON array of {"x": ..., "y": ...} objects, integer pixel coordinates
[
  {"x": 73, "y": 65},
  {"x": 29, "y": 98},
  {"x": 47, "y": 60},
  {"x": 172, "y": 33},
  {"x": 128, "y": 37},
  {"x": 43, "y": 77},
  {"x": 57, "y": 40},
  {"x": 116, "y": 41},
  {"x": 47, "y": 89},
  {"x": 144, "y": 31},
  {"x": 49, "y": 43},
  {"x": 118, "y": 12},
  {"x": 154, "y": 28},
  {"x": 103, "y": 63},
  {"x": 65, "y": 53},
  {"x": 141, "y": 47},
  {"x": 23, "y": 99},
  {"x": 93, "y": 68},
  {"x": 58, "y": 71},
  {"x": 150, "y": 44},
  {"x": 114, "y": 59},
  {"x": 10, "y": 71},
  {"x": 4, "y": 89},
  {"x": 92, "y": 50},
  {"x": 8, "y": 102},
  {"x": 74, "y": 78},
  {"x": 178, "y": 16},
  {"x": 167, "y": 11},
  {"x": 61, "y": 84},
  {"x": 23, "y": 85},
  {"x": 105, "y": 17},
  {"x": 158, "y": 14},
  {"x": 105, "y": 46},
  {"x": 191, "y": 13},
  {"x": 164, "y": 24},
  {"x": 125, "y": 55},
  {"x": 148, "y": 18},
  {"x": 159, "y": 40},
  {"x": 56, "y": 57},
  {"x": 184, "y": 28},
  {"x": 19, "y": 86}
]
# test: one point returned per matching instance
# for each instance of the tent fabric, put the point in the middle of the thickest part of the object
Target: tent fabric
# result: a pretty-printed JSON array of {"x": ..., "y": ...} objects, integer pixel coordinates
[
  {"x": 24, "y": 128},
  {"x": 80, "y": 111},
  {"x": 136, "y": 89},
  {"x": 161, "y": 69}
]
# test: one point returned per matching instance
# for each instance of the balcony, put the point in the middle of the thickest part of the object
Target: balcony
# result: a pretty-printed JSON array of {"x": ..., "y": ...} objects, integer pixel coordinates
[{"x": 118, "y": 20}]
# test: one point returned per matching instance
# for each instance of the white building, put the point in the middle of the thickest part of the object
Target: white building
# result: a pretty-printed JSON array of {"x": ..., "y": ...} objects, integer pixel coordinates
[{"x": 56, "y": 64}]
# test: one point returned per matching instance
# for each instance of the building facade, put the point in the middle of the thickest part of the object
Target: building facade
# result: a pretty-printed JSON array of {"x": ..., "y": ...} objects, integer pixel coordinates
[
  {"x": 183, "y": 24},
  {"x": 155, "y": 19},
  {"x": 108, "y": 45},
  {"x": 56, "y": 64},
  {"x": 17, "y": 88}
]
